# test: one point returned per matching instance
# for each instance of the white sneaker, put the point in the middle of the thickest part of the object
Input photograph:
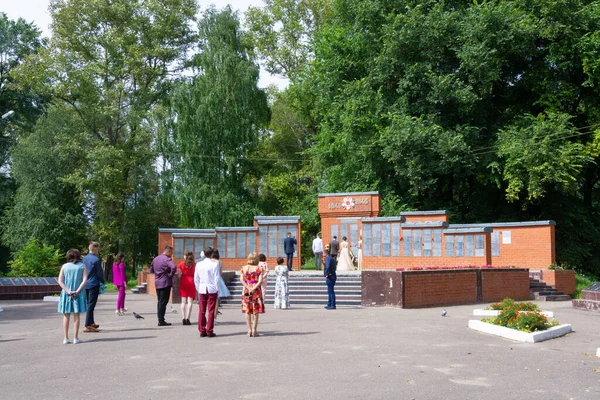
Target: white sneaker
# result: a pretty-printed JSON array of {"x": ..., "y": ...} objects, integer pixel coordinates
[
  {"x": 77, "y": 341},
  {"x": 66, "y": 341}
]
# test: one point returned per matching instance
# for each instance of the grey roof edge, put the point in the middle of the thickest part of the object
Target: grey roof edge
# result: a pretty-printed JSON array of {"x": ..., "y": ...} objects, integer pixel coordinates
[
  {"x": 278, "y": 217},
  {"x": 430, "y": 212},
  {"x": 348, "y": 194},
  {"x": 194, "y": 235},
  {"x": 237, "y": 228},
  {"x": 278, "y": 222},
  {"x": 184, "y": 230},
  {"x": 383, "y": 219},
  {"x": 425, "y": 224},
  {"x": 482, "y": 229},
  {"x": 505, "y": 224}
]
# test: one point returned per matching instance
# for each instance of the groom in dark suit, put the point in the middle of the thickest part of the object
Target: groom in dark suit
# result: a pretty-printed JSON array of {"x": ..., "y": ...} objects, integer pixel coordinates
[
  {"x": 334, "y": 247},
  {"x": 289, "y": 247}
]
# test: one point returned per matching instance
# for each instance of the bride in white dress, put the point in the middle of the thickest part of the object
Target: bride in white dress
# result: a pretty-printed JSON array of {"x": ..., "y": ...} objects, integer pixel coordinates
[{"x": 344, "y": 259}]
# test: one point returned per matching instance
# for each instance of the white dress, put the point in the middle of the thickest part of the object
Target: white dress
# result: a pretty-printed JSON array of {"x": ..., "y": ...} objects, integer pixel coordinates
[{"x": 344, "y": 259}]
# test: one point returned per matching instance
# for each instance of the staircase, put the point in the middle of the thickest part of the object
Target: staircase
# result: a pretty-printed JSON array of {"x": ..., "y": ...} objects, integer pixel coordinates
[
  {"x": 539, "y": 290},
  {"x": 306, "y": 289},
  {"x": 140, "y": 288}
]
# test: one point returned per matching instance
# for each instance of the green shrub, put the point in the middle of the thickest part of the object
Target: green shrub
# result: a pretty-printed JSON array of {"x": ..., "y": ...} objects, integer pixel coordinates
[
  {"x": 510, "y": 303},
  {"x": 524, "y": 317},
  {"x": 35, "y": 260},
  {"x": 582, "y": 282}
]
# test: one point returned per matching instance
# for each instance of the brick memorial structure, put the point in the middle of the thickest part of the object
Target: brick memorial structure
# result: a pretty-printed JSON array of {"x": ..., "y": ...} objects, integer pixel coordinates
[
  {"x": 590, "y": 298},
  {"x": 235, "y": 243},
  {"x": 28, "y": 288}
]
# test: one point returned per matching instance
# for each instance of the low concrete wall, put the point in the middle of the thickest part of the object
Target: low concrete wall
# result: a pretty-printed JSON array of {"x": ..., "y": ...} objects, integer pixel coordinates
[
  {"x": 381, "y": 288},
  {"x": 563, "y": 280}
]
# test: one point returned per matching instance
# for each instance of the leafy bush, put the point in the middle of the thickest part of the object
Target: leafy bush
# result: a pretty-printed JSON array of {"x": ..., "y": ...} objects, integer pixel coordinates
[
  {"x": 35, "y": 260},
  {"x": 524, "y": 317},
  {"x": 582, "y": 282},
  {"x": 509, "y": 303}
]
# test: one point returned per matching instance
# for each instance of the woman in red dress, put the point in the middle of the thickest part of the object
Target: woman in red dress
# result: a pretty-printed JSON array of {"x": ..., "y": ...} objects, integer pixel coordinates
[
  {"x": 187, "y": 289},
  {"x": 251, "y": 277}
]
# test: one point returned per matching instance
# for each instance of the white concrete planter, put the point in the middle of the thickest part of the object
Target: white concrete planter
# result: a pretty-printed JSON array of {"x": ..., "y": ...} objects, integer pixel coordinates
[
  {"x": 598, "y": 352},
  {"x": 519, "y": 336},
  {"x": 480, "y": 312},
  {"x": 51, "y": 298}
]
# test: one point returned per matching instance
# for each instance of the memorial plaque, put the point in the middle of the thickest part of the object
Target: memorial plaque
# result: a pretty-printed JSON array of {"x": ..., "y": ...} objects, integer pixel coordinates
[
  {"x": 496, "y": 244},
  {"x": 385, "y": 240},
  {"x": 6, "y": 282},
  {"x": 241, "y": 245},
  {"x": 367, "y": 239},
  {"x": 437, "y": 242},
  {"x": 52, "y": 281},
  {"x": 178, "y": 248},
  {"x": 282, "y": 230},
  {"x": 376, "y": 240},
  {"x": 29, "y": 281},
  {"x": 417, "y": 242},
  {"x": 334, "y": 232},
  {"x": 469, "y": 246},
  {"x": 407, "y": 242},
  {"x": 395, "y": 240},
  {"x": 264, "y": 240},
  {"x": 252, "y": 242},
  {"x": 427, "y": 245},
  {"x": 188, "y": 245},
  {"x": 272, "y": 241},
  {"x": 199, "y": 245},
  {"x": 230, "y": 245},
  {"x": 222, "y": 244},
  {"x": 479, "y": 245},
  {"x": 40, "y": 281},
  {"x": 449, "y": 245},
  {"x": 460, "y": 246},
  {"x": 18, "y": 281}
]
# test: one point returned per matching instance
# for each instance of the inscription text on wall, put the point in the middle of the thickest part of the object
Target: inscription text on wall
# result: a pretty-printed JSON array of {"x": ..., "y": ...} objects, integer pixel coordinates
[{"x": 349, "y": 203}]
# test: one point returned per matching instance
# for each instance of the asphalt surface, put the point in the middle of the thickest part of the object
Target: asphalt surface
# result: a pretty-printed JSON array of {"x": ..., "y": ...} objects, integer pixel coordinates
[{"x": 302, "y": 353}]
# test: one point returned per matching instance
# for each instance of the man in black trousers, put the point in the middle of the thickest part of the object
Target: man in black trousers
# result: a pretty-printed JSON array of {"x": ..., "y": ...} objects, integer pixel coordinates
[
  {"x": 289, "y": 247},
  {"x": 330, "y": 278}
]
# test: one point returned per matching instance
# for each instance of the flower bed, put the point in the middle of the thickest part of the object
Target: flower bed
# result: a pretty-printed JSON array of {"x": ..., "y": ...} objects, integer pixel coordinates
[
  {"x": 520, "y": 321},
  {"x": 438, "y": 267}
]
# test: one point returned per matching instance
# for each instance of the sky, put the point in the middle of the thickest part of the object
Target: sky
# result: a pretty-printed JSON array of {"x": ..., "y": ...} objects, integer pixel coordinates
[{"x": 36, "y": 11}]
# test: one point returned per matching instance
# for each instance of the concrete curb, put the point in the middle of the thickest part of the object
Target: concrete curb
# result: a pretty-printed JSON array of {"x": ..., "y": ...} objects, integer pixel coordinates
[
  {"x": 480, "y": 312},
  {"x": 519, "y": 336}
]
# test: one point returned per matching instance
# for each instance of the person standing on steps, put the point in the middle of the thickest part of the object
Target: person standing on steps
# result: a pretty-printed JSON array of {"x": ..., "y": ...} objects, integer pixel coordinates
[
  {"x": 330, "y": 278},
  {"x": 289, "y": 247},
  {"x": 163, "y": 269},
  {"x": 95, "y": 276},
  {"x": 317, "y": 248},
  {"x": 334, "y": 247}
]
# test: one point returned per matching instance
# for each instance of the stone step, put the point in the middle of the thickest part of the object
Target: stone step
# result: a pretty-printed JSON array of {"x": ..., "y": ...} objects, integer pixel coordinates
[
  {"x": 549, "y": 293},
  {"x": 271, "y": 283},
  {"x": 295, "y": 302},
  {"x": 562, "y": 297},
  {"x": 542, "y": 289}
]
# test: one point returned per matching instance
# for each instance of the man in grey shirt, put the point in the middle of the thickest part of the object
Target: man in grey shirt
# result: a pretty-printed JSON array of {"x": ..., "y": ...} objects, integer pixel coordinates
[{"x": 334, "y": 247}]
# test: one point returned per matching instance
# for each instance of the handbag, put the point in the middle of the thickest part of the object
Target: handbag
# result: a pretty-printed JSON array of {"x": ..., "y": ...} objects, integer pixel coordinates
[{"x": 102, "y": 288}]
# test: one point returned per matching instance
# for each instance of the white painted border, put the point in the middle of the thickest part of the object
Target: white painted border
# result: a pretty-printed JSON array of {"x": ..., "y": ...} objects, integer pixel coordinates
[
  {"x": 519, "y": 336},
  {"x": 480, "y": 312},
  {"x": 598, "y": 352},
  {"x": 52, "y": 298}
]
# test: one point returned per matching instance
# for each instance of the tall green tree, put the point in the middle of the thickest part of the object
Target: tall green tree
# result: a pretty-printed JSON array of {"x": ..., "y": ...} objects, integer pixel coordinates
[
  {"x": 110, "y": 63},
  {"x": 217, "y": 118},
  {"x": 485, "y": 108}
]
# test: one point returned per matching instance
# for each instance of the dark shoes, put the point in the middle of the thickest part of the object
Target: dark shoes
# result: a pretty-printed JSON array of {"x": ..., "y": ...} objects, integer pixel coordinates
[
  {"x": 203, "y": 334},
  {"x": 164, "y": 323},
  {"x": 186, "y": 322},
  {"x": 212, "y": 335},
  {"x": 329, "y": 308}
]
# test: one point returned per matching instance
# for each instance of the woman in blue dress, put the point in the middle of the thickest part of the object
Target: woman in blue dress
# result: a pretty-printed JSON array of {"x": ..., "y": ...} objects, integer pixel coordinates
[{"x": 72, "y": 280}]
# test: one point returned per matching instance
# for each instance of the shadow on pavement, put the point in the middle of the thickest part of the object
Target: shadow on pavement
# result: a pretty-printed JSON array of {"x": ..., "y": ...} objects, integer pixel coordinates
[{"x": 118, "y": 339}]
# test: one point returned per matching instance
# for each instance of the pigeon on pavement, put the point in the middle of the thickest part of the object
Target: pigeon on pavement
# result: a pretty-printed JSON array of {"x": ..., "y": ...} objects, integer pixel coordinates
[
  {"x": 444, "y": 312},
  {"x": 137, "y": 316},
  {"x": 173, "y": 310}
]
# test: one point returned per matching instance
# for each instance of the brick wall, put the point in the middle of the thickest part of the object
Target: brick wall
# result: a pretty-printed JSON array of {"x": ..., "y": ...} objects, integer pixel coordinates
[
  {"x": 28, "y": 292},
  {"x": 563, "y": 280},
  {"x": 498, "y": 284},
  {"x": 439, "y": 288},
  {"x": 151, "y": 288},
  {"x": 531, "y": 246}
]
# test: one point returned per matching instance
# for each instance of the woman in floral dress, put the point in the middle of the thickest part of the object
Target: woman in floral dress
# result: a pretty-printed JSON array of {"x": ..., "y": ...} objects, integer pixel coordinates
[
  {"x": 282, "y": 295},
  {"x": 251, "y": 277}
]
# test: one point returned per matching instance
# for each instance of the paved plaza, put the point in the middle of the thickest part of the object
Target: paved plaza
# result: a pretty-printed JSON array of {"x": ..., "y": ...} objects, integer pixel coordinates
[{"x": 303, "y": 353}]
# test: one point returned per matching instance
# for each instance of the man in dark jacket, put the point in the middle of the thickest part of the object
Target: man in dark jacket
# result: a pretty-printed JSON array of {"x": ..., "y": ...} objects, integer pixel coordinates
[
  {"x": 334, "y": 246},
  {"x": 163, "y": 269},
  {"x": 95, "y": 276},
  {"x": 330, "y": 278},
  {"x": 289, "y": 247}
]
